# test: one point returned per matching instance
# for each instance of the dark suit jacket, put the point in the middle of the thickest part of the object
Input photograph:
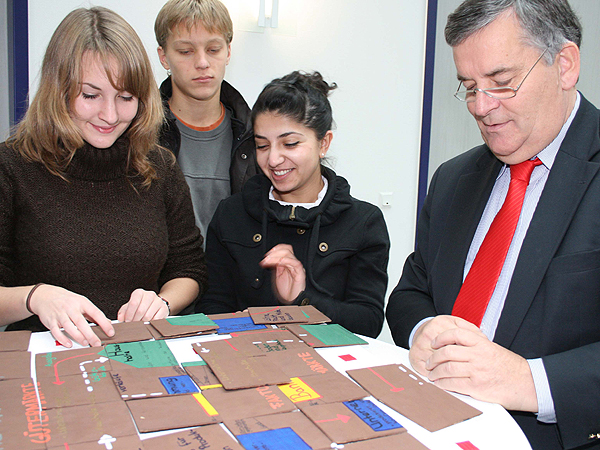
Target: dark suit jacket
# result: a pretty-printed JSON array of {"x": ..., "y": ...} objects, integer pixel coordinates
[{"x": 552, "y": 308}]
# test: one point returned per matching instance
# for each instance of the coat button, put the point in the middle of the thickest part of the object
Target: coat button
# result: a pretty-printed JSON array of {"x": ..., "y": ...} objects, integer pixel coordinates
[
  {"x": 304, "y": 302},
  {"x": 323, "y": 247},
  {"x": 594, "y": 436},
  {"x": 300, "y": 231},
  {"x": 244, "y": 156},
  {"x": 257, "y": 237}
]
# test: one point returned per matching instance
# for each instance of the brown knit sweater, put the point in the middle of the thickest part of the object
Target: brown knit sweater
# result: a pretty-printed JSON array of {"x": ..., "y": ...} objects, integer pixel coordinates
[{"x": 95, "y": 235}]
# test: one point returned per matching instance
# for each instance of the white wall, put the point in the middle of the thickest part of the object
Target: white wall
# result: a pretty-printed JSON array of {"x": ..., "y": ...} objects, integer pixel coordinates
[{"x": 373, "y": 50}]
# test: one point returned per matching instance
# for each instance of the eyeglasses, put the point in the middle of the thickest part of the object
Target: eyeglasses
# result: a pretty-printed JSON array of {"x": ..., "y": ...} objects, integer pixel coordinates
[{"x": 499, "y": 93}]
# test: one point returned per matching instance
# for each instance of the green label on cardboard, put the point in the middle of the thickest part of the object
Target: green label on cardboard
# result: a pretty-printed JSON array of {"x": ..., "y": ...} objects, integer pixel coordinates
[
  {"x": 142, "y": 354},
  {"x": 193, "y": 363},
  {"x": 333, "y": 334},
  {"x": 193, "y": 319}
]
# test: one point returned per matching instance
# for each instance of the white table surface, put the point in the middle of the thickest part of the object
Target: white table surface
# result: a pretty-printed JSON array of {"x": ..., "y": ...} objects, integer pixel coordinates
[{"x": 495, "y": 429}]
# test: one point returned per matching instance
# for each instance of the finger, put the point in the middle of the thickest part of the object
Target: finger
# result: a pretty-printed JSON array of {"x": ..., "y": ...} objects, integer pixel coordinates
[
  {"x": 121, "y": 313},
  {"x": 451, "y": 369},
  {"x": 133, "y": 304},
  {"x": 281, "y": 248},
  {"x": 456, "y": 336},
  {"x": 72, "y": 330},
  {"x": 458, "y": 384},
  {"x": 60, "y": 336},
  {"x": 94, "y": 314},
  {"x": 146, "y": 303},
  {"x": 155, "y": 310},
  {"x": 86, "y": 331}
]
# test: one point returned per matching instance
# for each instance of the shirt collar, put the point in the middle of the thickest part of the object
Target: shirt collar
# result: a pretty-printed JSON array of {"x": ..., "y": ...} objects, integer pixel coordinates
[{"x": 304, "y": 205}]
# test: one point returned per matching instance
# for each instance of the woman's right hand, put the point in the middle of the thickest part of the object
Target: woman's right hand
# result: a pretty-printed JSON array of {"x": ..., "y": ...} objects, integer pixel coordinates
[{"x": 59, "y": 308}]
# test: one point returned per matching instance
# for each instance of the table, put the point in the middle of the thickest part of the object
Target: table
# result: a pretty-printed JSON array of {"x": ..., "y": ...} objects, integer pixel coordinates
[{"x": 494, "y": 429}]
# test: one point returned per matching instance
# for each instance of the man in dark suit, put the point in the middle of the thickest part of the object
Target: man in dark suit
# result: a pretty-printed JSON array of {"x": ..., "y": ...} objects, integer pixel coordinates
[{"x": 535, "y": 345}]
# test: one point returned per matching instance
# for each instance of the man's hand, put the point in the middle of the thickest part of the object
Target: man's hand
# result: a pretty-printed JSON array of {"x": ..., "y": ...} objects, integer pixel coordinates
[{"x": 469, "y": 363}]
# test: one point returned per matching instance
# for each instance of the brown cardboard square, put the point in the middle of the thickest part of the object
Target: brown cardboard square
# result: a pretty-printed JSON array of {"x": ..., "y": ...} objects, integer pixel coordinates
[
  {"x": 71, "y": 362},
  {"x": 406, "y": 392},
  {"x": 22, "y": 426},
  {"x": 192, "y": 325},
  {"x": 116, "y": 443},
  {"x": 15, "y": 365},
  {"x": 124, "y": 332},
  {"x": 314, "y": 315},
  {"x": 259, "y": 342},
  {"x": 237, "y": 370},
  {"x": 202, "y": 376},
  {"x": 267, "y": 315},
  {"x": 173, "y": 411},
  {"x": 296, "y": 420},
  {"x": 82, "y": 389},
  {"x": 233, "y": 315},
  {"x": 242, "y": 403},
  {"x": 341, "y": 424},
  {"x": 208, "y": 436},
  {"x": 300, "y": 362},
  {"x": 152, "y": 382},
  {"x": 88, "y": 423},
  {"x": 143, "y": 354},
  {"x": 11, "y": 341},
  {"x": 403, "y": 441},
  {"x": 154, "y": 332},
  {"x": 331, "y": 387}
]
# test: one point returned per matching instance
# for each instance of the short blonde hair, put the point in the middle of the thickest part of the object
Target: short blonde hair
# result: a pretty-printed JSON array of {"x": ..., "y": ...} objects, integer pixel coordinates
[
  {"x": 211, "y": 14},
  {"x": 47, "y": 133}
]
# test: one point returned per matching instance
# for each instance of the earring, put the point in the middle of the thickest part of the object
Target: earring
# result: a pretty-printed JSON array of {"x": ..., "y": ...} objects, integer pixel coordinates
[
  {"x": 322, "y": 155},
  {"x": 168, "y": 72}
]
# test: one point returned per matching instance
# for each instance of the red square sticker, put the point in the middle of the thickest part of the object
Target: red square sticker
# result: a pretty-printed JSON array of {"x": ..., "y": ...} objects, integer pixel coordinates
[{"x": 348, "y": 357}]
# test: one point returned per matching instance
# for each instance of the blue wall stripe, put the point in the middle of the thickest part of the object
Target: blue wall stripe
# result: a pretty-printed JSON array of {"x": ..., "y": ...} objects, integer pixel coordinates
[
  {"x": 427, "y": 103},
  {"x": 18, "y": 57}
]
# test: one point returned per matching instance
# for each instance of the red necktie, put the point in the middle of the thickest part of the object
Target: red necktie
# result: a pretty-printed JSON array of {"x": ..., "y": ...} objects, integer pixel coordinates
[{"x": 479, "y": 285}]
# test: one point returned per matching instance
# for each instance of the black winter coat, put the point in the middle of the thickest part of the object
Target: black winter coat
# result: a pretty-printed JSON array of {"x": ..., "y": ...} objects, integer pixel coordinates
[{"x": 343, "y": 245}]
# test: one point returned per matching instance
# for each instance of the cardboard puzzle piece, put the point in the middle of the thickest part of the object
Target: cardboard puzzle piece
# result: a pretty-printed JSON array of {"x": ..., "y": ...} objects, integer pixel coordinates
[
  {"x": 314, "y": 315},
  {"x": 181, "y": 326},
  {"x": 11, "y": 341},
  {"x": 402, "y": 441},
  {"x": 295, "y": 420},
  {"x": 81, "y": 389},
  {"x": 124, "y": 332},
  {"x": 351, "y": 421},
  {"x": 406, "y": 392},
  {"x": 235, "y": 322},
  {"x": 140, "y": 355},
  {"x": 105, "y": 442},
  {"x": 300, "y": 362},
  {"x": 88, "y": 423},
  {"x": 152, "y": 382},
  {"x": 15, "y": 364},
  {"x": 202, "y": 375},
  {"x": 275, "y": 315},
  {"x": 332, "y": 387},
  {"x": 237, "y": 370},
  {"x": 325, "y": 335},
  {"x": 244, "y": 403},
  {"x": 266, "y": 341},
  {"x": 71, "y": 362},
  {"x": 173, "y": 411},
  {"x": 278, "y": 439},
  {"x": 23, "y": 425},
  {"x": 201, "y": 438}
]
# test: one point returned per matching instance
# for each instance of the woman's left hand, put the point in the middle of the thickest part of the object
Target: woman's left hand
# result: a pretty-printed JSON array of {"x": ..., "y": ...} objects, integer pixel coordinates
[
  {"x": 289, "y": 276},
  {"x": 143, "y": 305}
]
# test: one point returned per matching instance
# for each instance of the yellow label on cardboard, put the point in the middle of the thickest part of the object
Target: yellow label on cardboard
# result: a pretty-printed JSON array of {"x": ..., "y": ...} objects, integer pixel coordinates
[
  {"x": 208, "y": 408},
  {"x": 298, "y": 391}
]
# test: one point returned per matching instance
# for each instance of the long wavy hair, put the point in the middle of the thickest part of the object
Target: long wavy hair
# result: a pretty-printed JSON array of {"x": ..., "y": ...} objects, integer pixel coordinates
[{"x": 47, "y": 133}]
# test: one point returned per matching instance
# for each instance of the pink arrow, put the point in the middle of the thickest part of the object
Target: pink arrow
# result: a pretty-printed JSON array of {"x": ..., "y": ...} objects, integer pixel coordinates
[
  {"x": 58, "y": 380},
  {"x": 340, "y": 417},
  {"x": 394, "y": 388}
]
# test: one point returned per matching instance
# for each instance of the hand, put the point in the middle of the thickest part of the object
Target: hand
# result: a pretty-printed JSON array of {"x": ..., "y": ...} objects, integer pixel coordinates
[
  {"x": 421, "y": 349},
  {"x": 467, "y": 362},
  {"x": 59, "y": 308},
  {"x": 289, "y": 276},
  {"x": 143, "y": 305}
]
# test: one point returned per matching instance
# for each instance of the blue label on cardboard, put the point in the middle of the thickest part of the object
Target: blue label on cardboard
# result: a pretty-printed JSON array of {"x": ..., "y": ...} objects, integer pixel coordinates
[
  {"x": 237, "y": 325},
  {"x": 181, "y": 384},
  {"x": 279, "y": 439},
  {"x": 372, "y": 415}
]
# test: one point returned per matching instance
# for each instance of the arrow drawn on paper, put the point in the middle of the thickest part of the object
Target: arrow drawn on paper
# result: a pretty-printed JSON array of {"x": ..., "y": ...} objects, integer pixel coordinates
[
  {"x": 394, "y": 388},
  {"x": 58, "y": 380},
  {"x": 340, "y": 417}
]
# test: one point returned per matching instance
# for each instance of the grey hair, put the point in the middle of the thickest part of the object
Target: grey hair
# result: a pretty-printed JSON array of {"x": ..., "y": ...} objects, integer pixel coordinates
[{"x": 547, "y": 24}]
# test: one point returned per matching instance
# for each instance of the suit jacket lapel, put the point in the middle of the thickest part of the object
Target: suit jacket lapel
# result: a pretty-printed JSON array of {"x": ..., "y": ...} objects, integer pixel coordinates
[
  {"x": 566, "y": 185},
  {"x": 469, "y": 200}
]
